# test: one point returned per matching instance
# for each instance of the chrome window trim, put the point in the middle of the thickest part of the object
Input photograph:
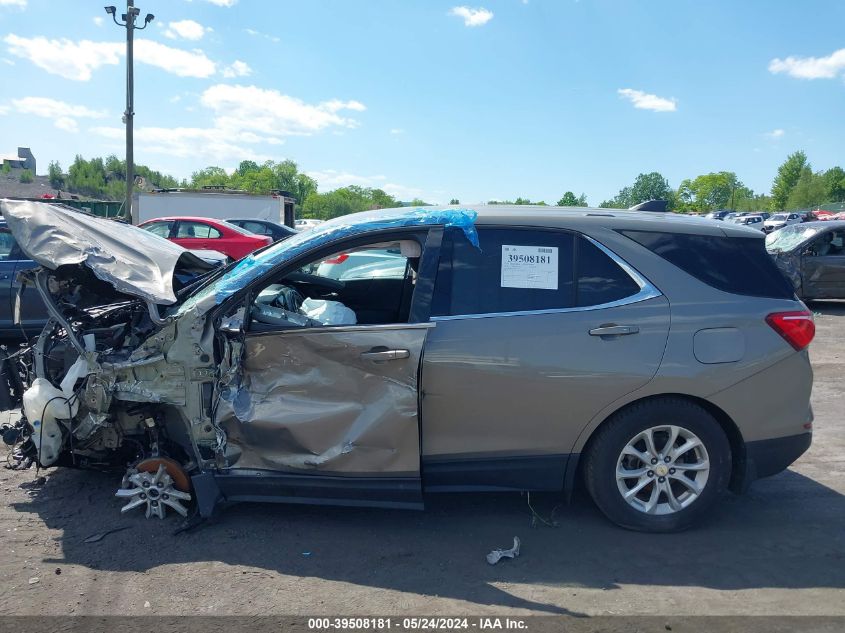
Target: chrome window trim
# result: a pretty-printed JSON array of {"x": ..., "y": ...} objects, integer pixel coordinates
[
  {"x": 647, "y": 291},
  {"x": 376, "y": 327}
]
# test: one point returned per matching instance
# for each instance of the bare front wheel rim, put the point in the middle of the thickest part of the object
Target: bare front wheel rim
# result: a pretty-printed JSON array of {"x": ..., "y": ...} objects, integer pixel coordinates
[{"x": 662, "y": 470}]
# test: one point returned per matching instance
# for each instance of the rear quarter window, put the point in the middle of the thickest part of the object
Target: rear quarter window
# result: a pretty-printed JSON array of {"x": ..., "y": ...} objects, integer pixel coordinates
[{"x": 739, "y": 265}]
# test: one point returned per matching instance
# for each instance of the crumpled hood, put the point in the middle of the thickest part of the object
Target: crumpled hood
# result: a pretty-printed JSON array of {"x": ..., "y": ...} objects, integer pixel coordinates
[{"x": 132, "y": 260}]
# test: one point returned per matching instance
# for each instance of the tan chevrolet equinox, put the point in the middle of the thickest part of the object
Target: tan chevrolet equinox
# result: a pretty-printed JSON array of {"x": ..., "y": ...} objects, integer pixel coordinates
[{"x": 382, "y": 357}]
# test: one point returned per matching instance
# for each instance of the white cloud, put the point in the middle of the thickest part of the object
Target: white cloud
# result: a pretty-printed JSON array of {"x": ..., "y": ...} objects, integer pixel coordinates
[
  {"x": 237, "y": 69},
  {"x": 8, "y": 61},
  {"x": 775, "y": 134},
  {"x": 242, "y": 117},
  {"x": 646, "y": 101},
  {"x": 272, "y": 113},
  {"x": 4, "y": 110},
  {"x": 397, "y": 131},
  {"x": 186, "y": 30},
  {"x": 13, "y": 3},
  {"x": 254, "y": 33},
  {"x": 98, "y": 21},
  {"x": 811, "y": 67},
  {"x": 62, "y": 114},
  {"x": 472, "y": 17},
  {"x": 63, "y": 57},
  {"x": 332, "y": 179},
  {"x": 77, "y": 60},
  {"x": 189, "y": 142},
  {"x": 176, "y": 61},
  {"x": 335, "y": 105},
  {"x": 223, "y": 3}
]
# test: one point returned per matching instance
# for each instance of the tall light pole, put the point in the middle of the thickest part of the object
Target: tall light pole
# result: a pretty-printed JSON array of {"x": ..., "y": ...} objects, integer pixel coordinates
[{"x": 128, "y": 22}]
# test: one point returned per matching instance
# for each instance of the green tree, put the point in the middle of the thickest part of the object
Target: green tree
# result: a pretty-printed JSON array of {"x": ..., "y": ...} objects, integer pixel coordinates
[
  {"x": 345, "y": 200},
  {"x": 55, "y": 175},
  {"x": 834, "y": 182},
  {"x": 6, "y": 168},
  {"x": 719, "y": 190},
  {"x": 26, "y": 176},
  {"x": 651, "y": 186},
  {"x": 210, "y": 177},
  {"x": 786, "y": 179},
  {"x": 809, "y": 191},
  {"x": 569, "y": 199}
]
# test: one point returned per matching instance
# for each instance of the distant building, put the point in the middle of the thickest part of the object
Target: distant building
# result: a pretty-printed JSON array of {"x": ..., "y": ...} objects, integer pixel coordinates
[{"x": 22, "y": 160}]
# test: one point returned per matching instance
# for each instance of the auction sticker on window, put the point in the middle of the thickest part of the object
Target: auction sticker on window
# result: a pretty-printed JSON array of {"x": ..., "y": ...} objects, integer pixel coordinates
[{"x": 529, "y": 267}]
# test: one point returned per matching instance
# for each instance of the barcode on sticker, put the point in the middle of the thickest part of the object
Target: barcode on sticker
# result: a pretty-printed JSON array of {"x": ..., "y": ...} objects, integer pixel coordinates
[{"x": 544, "y": 250}]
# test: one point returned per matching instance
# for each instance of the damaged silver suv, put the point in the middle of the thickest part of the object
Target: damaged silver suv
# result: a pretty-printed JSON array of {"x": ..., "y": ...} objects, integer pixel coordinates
[{"x": 387, "y": 355}]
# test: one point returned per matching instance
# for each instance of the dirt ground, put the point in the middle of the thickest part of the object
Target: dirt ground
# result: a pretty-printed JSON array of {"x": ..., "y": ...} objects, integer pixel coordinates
[{"x": 780, "y": 549}]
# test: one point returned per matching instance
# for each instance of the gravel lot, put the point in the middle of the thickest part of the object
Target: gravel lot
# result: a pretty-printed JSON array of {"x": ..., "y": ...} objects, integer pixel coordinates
[{"x": 778, "y": 550}]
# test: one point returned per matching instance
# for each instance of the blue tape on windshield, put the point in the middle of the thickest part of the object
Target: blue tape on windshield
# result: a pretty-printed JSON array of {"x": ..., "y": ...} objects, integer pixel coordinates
[{"x": 254, "y": 265}]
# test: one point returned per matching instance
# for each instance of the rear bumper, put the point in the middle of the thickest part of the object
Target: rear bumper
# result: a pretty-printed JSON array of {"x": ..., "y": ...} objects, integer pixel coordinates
[{"x": 764, "y": 458}]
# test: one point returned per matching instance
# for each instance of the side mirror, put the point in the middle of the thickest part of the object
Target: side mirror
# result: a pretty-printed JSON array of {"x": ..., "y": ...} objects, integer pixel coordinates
[{"x": 233, "y": 324}]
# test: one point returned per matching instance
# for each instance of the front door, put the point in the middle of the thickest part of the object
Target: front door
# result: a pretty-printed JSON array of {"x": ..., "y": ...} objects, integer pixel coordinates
[
  {"x": 326, "y": 405},
  {"x": 823, "y": 267}
]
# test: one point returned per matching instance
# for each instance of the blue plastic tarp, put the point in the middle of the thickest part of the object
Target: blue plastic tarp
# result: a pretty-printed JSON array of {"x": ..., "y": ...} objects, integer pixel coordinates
[{"x": 255, "y": 265}]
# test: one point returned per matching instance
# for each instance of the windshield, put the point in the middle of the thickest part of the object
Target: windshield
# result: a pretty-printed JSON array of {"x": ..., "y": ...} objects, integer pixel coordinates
[
  {"x": 778, "y": 216},
  {"x": 235, "y": 277},
  {"x": 789, "y": 237}
]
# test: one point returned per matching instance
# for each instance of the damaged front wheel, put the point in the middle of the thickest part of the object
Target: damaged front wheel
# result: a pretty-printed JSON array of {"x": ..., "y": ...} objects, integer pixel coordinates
[{"x": 152, "y": 491}]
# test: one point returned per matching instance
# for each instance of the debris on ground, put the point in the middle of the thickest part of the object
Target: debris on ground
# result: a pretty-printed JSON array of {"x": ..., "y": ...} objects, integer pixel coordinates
[
  {"x": 498, "y": 554},
  {"x": 34, "y": 581},
  {"x": 99, "y": 536}
]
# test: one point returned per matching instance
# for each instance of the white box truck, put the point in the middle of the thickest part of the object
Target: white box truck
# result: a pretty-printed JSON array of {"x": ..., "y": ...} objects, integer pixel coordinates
[{"x": 220, "y": 204}]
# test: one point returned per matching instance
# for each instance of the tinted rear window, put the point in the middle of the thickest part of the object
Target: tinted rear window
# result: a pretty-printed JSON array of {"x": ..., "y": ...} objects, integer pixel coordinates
[{"x": 739, "y": 265}]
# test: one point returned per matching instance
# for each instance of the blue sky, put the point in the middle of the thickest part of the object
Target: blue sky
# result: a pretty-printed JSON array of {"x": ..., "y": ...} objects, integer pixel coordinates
[{"x": 437, "y": 99}]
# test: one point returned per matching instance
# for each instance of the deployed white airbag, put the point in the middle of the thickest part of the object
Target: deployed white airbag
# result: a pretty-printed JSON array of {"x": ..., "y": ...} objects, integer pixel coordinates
[{"x": 328, "y": 312}]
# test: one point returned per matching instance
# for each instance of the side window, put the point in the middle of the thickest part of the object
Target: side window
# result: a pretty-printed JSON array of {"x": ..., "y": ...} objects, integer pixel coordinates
[
  {"x": 255, "y": 227},
  {"x": 7, "y": 246},
  {"x": 363, "y": 263},
  {"x": 739, "y": 265},
  {"x": 365, "y": 285},
  {"x": 162, "y": 229},
  {"x": 515, "y": 270},
  {"x": 600, "y": 279},
  {"x": 197, "y": 229}
]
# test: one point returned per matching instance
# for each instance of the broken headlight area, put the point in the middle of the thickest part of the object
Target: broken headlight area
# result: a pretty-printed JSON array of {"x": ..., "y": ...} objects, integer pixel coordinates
[{"x": 99, "y": 391}]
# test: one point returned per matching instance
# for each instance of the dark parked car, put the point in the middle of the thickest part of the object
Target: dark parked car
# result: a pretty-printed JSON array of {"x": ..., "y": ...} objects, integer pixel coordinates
[
  {"x": 33, "y": 315},
  {"x": 275, "y": 231},
  {"x": 812, "y": 255}
]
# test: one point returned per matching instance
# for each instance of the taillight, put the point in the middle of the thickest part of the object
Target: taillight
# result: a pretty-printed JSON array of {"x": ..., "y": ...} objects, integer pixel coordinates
[
  {"x": 338, "y": 259},
  {"x": 797, "y": 328}
]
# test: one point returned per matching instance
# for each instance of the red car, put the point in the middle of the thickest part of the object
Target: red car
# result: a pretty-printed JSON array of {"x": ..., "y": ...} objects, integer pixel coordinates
[{"x": 207, "y": 234}]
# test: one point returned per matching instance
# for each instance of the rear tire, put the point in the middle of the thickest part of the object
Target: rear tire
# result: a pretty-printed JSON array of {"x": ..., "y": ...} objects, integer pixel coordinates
[{"x": 658, "y": 466}]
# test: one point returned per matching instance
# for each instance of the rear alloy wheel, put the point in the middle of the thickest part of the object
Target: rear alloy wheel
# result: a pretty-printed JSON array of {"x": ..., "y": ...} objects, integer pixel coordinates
[
  {"x": 662, "y": 470},
  {"x": 658, "y": 466}
]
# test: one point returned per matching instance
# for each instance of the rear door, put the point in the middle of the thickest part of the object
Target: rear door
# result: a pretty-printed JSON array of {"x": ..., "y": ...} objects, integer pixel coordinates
[
  {"x": 199, "y": 236},
  {"x": 526, "y": 352}
]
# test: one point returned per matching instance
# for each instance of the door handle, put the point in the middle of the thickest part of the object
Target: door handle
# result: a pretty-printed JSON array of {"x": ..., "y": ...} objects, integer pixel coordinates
[
  {"x": 614, "y": 330},
  {"x": 388, "y": 354}
]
